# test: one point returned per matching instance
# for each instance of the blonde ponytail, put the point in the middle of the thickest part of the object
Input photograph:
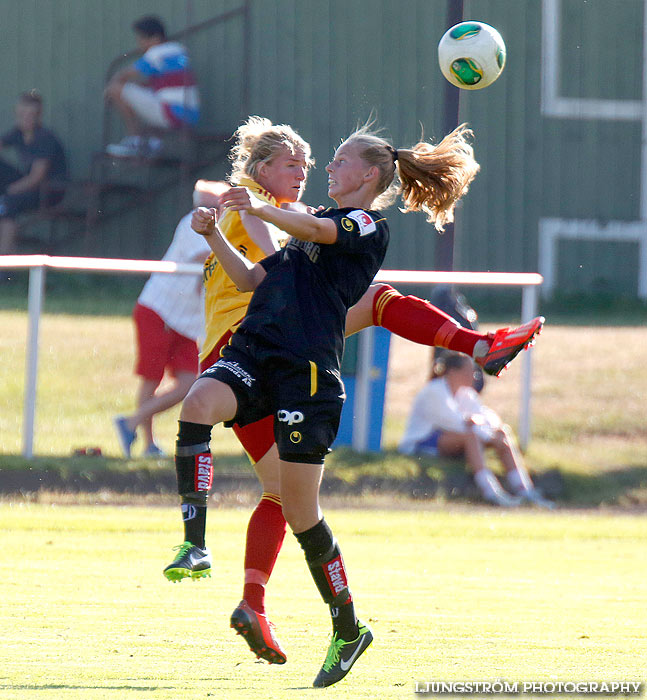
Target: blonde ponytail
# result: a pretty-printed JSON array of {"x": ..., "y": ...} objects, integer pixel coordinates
[
  {"x": 428, "y": 177},
  {"x": 434, "y": 177}
]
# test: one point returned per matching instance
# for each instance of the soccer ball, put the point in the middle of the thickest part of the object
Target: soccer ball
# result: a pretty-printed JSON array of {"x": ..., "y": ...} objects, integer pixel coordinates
[{"x": 471, "y": 55}]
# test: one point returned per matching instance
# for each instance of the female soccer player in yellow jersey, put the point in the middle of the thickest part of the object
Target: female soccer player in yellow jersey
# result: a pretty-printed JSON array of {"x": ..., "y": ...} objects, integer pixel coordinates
[{"x": 272, "y": 162}]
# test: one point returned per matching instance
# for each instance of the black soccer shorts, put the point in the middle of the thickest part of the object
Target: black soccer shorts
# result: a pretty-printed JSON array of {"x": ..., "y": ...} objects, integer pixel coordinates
[{"x": 305, "y": 400}]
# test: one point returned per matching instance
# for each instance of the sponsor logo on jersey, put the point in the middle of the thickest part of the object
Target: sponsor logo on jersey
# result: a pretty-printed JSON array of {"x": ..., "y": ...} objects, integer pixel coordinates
[
  {"x": 336, "y": 575},
  {"x": 347, "y": 224},
  {"x": 290, "y": 417},
  {"x": 210, "y": 264},
  {"x": 312, "y": 250},
  {"x": 364, "y": 221},
  {"x": 295, "y": 437},
  {"x": 203, "y": 472}
]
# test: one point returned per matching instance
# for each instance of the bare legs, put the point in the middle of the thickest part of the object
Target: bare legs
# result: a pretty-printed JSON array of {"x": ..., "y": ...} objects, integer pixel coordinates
[
  {"x": 469, "y": 445},
  {"x": 150, "y": 403},
  {"x": 300, "y": 494}
]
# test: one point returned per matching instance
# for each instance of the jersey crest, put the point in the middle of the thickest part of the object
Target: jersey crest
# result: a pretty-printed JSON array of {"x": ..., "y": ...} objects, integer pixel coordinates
[{"x": 363, "y": 220}]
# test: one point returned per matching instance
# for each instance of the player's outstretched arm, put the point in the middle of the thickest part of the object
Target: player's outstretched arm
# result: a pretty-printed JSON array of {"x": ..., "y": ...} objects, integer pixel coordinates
[
  {"x": 245, "y": 274},
  {"x": 260, "y": 233},
  {"x": 305, "y": 227}
]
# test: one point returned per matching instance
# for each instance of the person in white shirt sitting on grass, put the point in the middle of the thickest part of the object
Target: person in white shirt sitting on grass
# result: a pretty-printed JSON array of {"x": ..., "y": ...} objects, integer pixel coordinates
[{"x": 448, "y": 420}]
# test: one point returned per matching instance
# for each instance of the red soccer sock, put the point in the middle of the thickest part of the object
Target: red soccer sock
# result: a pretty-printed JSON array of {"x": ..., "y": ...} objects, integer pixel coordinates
[
  {"x": 421, "y": 322},
  {"x": 265, "y": 534}
]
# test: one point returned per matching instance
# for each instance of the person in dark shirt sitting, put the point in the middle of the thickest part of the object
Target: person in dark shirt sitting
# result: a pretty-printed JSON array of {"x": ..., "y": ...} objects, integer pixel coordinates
[{"x": 40, "y": 159}]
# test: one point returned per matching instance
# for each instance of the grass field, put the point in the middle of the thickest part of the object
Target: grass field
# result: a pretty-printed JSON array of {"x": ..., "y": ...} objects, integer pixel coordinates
[
  {"x": 453, "y": 594},
  {"x": 459, "y": 595},
  {"x": 85, "y": 377},
  {"x": 589, "y": 393},
  {"x": 588, "y": 404}
]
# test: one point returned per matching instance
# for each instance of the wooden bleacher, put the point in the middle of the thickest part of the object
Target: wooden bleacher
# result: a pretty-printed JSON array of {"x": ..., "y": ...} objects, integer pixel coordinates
[{"x": 116, "y": 186}]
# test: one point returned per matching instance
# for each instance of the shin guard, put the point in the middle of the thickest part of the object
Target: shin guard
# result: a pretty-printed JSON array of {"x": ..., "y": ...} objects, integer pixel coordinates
[
  {"x": 194, "y": 468},
  {"x": 325, "y": 563}
]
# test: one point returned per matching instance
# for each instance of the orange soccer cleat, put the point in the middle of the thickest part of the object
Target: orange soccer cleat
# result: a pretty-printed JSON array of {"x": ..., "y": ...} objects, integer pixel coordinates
[
  {"x": 507, "y": 343},
  {"x": 258, "y": 632}
]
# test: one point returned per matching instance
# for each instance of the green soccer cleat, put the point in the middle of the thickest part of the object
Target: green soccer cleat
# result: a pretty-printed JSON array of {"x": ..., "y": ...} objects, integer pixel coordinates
[
  {"x": 341, "y": 656},
  {"x": 191, "y": 561}
]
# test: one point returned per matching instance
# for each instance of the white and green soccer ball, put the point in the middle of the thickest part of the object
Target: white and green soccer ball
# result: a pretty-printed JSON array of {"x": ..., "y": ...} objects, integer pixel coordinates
[{"x": 471, "y": 55}]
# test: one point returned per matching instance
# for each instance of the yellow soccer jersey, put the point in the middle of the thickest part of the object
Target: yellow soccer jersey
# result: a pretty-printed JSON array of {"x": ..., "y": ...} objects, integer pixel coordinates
[{"x": 224, "y": 305}]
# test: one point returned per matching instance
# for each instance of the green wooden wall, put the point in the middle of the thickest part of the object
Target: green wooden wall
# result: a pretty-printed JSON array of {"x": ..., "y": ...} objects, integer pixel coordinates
[{"x": 326, "y": 65}]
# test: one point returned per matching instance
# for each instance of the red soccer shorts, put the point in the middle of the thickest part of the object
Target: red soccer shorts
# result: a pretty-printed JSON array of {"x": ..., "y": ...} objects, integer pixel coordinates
[{"x": 160, "y": 347}]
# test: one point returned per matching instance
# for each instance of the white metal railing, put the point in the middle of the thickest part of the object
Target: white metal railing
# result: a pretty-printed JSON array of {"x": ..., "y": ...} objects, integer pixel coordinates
[{"x": 37, "y": 264}]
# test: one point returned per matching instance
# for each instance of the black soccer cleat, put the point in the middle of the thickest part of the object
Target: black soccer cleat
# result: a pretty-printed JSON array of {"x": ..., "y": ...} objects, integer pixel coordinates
[
  {"x": 341, "y": 656},
  {"x": 191, "y": 561}
]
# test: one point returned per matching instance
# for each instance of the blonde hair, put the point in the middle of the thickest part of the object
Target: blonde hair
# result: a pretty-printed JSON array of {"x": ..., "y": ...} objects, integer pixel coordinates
[
  {"x": 259, "y": 141},
  {"x": 428, "y": 177}
]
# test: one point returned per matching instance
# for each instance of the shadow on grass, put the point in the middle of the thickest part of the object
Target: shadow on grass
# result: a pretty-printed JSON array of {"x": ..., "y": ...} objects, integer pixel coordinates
[
  {"x": 92, "y": 474},
  {"x": 626, "y": 486},
  {"x": 347, "y": 473}
]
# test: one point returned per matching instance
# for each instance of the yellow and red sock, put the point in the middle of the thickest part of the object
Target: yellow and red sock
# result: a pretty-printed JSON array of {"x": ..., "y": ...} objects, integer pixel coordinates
[
  {"x": 421, "y": 322},
  {"x": 265, "y": 534}
]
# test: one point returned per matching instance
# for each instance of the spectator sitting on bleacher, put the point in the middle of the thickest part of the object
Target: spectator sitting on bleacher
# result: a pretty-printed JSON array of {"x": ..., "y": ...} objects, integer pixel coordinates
[
  {"x": 40, "y": 159},
  {"x": 448, "y": 420},
  {"x": 158, "y": 91}
]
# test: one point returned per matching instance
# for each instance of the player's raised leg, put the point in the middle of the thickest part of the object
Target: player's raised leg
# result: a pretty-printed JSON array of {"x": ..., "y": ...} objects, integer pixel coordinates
[{"x": 421, "y": 322}]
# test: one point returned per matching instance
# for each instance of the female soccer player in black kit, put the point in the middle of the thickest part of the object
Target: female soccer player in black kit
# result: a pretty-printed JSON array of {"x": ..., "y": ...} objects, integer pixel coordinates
[{"x": 285, "y": 357}]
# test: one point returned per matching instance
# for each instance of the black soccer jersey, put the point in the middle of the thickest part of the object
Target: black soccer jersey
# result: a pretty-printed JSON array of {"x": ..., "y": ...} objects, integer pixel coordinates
[{"x": 301, "y": 304}]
